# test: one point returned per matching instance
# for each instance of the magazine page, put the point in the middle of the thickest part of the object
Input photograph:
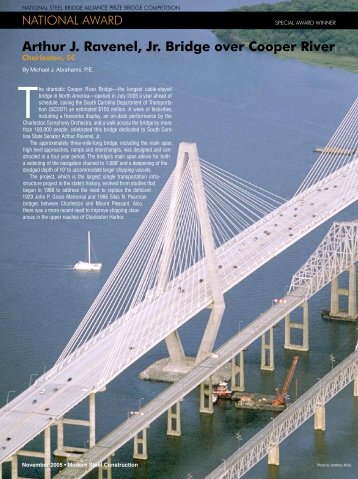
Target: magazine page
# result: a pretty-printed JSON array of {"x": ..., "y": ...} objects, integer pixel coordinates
[{"x": 178, "y": 239}]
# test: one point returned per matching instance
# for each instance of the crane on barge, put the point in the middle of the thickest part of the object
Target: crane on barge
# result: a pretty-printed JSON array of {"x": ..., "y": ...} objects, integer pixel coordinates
[{"x": 280, "y": 400}]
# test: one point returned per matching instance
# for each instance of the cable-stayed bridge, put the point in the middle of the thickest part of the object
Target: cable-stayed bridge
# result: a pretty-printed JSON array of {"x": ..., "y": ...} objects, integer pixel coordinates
[{"x": 207, "y": 231}]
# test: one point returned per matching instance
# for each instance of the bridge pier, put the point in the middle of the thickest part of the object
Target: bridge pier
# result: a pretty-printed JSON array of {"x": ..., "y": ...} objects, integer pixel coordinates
[
  {"x": 206, "y": 397},
  {"x": 294, "y": 325},
  {"x": 351, "y": 292},
  {"x": 75, "y": 452},
  {"x": 320, "y": 419},
  {"x": 267, "y": 346},
  {"x": 140, "y": 445},
  {"x": 45, "y": 455},
  {"x": 355, "y": 386},
  {"x": 105, "y": 472},
  {"x": 273, "y": 458},
  {"x": 174, "y": 422},
  {"x": 237, "y": 372}
]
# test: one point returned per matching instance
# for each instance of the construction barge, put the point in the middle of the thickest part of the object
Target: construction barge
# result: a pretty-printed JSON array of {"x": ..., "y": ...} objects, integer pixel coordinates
[{"x": 257, "y": 401}]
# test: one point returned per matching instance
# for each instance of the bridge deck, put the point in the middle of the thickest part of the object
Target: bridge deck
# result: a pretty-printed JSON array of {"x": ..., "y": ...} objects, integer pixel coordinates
[{"x": 55, "y": 394}]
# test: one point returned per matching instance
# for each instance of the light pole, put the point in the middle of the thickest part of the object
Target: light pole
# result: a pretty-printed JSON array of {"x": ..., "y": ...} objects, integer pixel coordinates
[
  {"x": 224, "y": 463},
  {"x": 31, "y": 376},
  {"x": 8, "y": 395},
  {"x": 333, "y": 359},
  {"x": 238, "y": 437},
  {"x": 240, "y": 325},
  {"x": 140, "y": 403}
]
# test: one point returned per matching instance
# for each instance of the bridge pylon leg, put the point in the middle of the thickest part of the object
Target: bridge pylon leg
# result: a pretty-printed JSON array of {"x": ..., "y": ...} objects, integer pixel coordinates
[
  {"x": 355, "y": 386},
  {"x": 267, "y": 346},
  {"x": 303, "y": 326},
  {"x": 218, "y": 303},
  {"x": 211, "y": 331},
  {"x": 105, "y": 471},
  {"x": 237, "y": 372},
  {"x": 273, "y": 457},
  {"x": 174, "y": 345},
  {"x": 320, "y": 419},
  {"x": 174, "y": 423},
  {"x": 140, "y": 445},
  {"x": 206, "y": 397}
]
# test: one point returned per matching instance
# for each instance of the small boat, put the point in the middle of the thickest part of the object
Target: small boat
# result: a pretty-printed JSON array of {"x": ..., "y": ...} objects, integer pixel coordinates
[
  {"x": 87, "y": 265},
  {"x": 222, "y": 391}
]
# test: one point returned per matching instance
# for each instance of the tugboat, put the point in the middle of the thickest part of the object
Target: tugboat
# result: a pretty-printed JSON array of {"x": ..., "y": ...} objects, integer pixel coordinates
[{"x": 222, "y": 391}]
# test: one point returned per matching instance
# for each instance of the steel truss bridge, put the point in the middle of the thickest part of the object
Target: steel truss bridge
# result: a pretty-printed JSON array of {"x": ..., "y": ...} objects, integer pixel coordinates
[
  {"x": 289, "y": 420},
  {"x": 207, "y": 231}
]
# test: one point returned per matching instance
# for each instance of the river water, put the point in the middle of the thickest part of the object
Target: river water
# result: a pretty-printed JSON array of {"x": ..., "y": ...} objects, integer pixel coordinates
[{"x": 253, "y": 114}]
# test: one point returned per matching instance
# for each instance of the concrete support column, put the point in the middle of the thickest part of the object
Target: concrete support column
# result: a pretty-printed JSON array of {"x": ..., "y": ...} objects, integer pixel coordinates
[
  {"x": 105, "y": 471},
  {"x": 303, "y": 326},
  {"x": 237, "y": 372},
  {"x": 1, "y": 471},
  {"x": 14, "y": 467},
  {"x": 355, "y": 386},
  {"x": 92, "y": 420},
  {"x": 47, "y": 452},
  {"x": 174, "y": 423},
  {"x": 320, "y": 418},
  {"x": 267, "y": 346},
  {"x": 60, "y": 437},
  {"x": 352, "y": 294},
  {"x": 206, "y": 397},
  {"x": 140, "y": 445},
  {"x": 274, "y": 456},
  {"x": 334, "y": 296}
]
